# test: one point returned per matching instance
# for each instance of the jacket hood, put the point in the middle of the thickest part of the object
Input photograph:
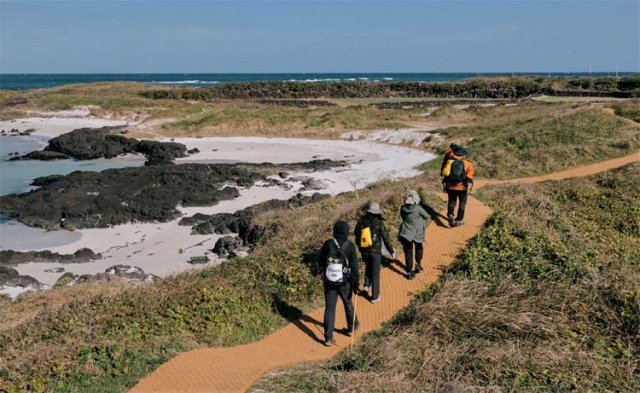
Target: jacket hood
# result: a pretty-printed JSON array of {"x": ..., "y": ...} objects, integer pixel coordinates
[
  {"x": 341, "y": 231},
  {"x": 408, "y": 208}
]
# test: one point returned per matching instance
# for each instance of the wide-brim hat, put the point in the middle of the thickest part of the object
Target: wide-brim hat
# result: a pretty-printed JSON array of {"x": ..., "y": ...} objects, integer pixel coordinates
[
  {"x": 412, "y": 198},
  {"x": 459, "y": 151},
  {"x": 374, "y": 208}
]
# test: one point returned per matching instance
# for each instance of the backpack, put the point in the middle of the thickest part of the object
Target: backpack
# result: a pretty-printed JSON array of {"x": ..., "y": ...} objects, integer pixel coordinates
[
  {"x": 446, "y": 169},
  {"x": 368, "y": 235},
  {"x": 458, "y": 171},
  {"x": 365, "y": 238},
  {"x": 336, "y": 265}
]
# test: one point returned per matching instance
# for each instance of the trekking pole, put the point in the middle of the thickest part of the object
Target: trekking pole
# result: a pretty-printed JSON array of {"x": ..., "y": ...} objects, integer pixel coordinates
[{"x": 355, "y": 318}]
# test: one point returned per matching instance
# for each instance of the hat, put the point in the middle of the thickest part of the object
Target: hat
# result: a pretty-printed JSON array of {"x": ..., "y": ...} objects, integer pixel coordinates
[
  {"x": 374, "y": 208},
  {"x": 459, "y": 151},
  {"x": 412, "y": 198},
  {"x": 341, "y": 229}
]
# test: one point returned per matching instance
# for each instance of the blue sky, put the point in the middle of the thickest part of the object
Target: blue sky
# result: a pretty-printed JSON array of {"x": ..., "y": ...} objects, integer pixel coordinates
[{"x": 330, "y": 36}]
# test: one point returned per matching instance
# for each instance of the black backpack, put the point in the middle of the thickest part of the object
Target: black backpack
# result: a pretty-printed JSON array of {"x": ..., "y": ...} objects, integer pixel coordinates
[
  {"x": 336, "y": 266},
  {"x": 458, "y": 171}
]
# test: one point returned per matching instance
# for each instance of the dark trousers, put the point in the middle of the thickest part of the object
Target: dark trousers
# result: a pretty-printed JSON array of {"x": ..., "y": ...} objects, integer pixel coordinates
[
  {"x": 454, "y": 197},
  {"x": 373, "y": 264},
  {"x": 331, "y": 294},
  {"x": 407, "y": 247}
]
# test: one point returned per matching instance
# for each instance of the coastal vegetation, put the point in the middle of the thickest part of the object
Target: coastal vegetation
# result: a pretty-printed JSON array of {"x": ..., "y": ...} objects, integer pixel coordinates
[
  {"x": 562, "y": 253},
  {"x": 536, "y": 138},
  {"x": 545, "y": 297}
]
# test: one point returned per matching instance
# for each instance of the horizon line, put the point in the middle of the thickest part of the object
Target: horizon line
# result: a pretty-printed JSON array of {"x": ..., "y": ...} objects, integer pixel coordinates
[{"x": 322, "y": 72}]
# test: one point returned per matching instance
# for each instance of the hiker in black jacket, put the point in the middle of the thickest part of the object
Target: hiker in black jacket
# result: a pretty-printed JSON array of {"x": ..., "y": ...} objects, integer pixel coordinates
[
  {"x": 372, "y": 255},
  {"x": 339, "y": 267}
]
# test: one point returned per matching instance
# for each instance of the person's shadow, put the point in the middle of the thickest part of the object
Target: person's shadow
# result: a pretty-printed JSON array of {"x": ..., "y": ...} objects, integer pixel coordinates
[
  {"x": 297, "y": 317},
  {"x": 394, "y": 265},
  {"x": 434, "y": 215}
]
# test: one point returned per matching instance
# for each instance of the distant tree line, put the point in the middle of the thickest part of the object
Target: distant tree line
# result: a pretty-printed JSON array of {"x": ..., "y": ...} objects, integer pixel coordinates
[{"x": 486, "y": 88}]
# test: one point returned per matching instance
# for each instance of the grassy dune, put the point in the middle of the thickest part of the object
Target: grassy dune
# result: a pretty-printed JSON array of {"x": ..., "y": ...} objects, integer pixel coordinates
[
  {"x": 545, "y": 298},
  {"x": 535, "y": 138}
]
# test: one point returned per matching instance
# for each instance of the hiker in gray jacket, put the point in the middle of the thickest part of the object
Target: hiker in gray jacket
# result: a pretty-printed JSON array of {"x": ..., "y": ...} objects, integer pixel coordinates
[{"x": 411, "y": 233}]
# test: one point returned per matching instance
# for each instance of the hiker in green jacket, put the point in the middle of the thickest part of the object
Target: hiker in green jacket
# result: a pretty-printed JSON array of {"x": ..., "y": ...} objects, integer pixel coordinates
[{"x": 411, "y": 233}]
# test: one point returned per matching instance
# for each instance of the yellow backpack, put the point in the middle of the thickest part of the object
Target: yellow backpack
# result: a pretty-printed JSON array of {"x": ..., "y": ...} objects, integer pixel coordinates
[
  {"x": 365, "y": 238},
  {"x": 446, "y": 171}
]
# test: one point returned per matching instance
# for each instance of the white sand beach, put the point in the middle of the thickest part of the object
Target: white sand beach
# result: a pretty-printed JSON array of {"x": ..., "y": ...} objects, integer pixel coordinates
[{"x": 155, "y": 247}]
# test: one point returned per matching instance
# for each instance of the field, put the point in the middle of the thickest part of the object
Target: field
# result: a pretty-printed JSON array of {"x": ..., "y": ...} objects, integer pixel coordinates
[{"x": 549, "y": 288}]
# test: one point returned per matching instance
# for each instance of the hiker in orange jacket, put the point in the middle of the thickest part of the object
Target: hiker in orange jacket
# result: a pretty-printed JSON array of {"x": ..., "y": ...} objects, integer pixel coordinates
[{"x": 458, "y": 183}]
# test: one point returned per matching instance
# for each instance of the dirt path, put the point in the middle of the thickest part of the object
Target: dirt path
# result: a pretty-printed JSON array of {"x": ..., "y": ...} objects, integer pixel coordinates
[{"x": 235, "y": 369}]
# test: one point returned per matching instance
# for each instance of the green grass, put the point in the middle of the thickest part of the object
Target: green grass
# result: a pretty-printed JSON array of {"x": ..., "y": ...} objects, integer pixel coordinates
[
  {"x": 545, "y": 298},
  {"x": 533, "y": 139}
]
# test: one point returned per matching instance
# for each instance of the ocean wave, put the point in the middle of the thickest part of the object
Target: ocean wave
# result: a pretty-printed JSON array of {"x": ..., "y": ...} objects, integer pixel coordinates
[
  {"x": 187, "y": 82},
  {"x": 387, "y": 79},
  {"x": 315, "y": 80}
]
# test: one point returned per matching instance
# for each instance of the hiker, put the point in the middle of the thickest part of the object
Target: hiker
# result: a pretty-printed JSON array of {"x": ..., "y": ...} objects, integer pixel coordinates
[
  {"x": 411, "y": 232},
  {"x": 370, "y": 234},
  {"x": 447, "y": 156},
  {"x": 458, "y": 181},
  {"x": 339, "y": 265}
]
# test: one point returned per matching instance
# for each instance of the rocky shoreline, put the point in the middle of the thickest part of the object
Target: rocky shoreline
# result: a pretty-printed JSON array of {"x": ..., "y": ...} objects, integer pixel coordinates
[
  {"x": 242, "y": 224},
  {"x": 105, "y": 142},
  {"x": 10, "y": 257}
]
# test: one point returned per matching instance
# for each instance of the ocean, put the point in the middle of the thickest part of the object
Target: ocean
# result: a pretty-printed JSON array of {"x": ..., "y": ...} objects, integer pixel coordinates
[{"x": 37, "y": 81}]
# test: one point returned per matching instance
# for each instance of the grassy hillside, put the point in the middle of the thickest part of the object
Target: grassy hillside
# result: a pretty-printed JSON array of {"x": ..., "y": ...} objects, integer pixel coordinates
[
  {"x": 537, "y": 138},
  {"x": 545, "y": 298}
]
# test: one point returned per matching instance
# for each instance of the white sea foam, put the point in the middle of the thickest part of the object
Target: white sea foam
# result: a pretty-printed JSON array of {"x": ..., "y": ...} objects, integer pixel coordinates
[
  {"x": 387, "y": 79},
  {"x": 186, "y": 82}
]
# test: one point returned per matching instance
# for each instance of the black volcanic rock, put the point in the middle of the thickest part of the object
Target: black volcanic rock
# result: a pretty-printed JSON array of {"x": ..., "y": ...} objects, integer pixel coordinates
[
  {"x": 118, "y": 196},
  {"x": 106, "y": 142},
  {"x": 228, "y": 246},
  {"x": 42, "y": 155},
  {"x": 10, "y": 257},
  {"x": 241, "y": 222},
  {"x": 11, "y": 278}
]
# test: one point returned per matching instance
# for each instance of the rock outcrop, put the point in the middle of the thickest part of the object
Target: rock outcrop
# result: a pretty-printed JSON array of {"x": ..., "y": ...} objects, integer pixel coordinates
[
  {"x": 118, "y": 196},
  {"x": 106, "y": 142},
  {"x": 10, "y": 257},
  {"x": 127, "y": 272},
  {"x": 242, "y": 223}
]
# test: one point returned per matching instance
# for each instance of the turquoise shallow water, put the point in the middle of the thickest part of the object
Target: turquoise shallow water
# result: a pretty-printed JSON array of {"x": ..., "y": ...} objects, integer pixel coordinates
[{"x": 15, "y": 177}]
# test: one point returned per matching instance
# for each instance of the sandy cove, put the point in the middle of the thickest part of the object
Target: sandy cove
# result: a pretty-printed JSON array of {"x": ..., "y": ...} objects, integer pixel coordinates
[{"x": 155, "y": 247}]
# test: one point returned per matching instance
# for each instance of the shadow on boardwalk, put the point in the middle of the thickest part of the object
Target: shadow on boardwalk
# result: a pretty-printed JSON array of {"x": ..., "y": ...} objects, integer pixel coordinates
[{"x": 294, "y": 315}]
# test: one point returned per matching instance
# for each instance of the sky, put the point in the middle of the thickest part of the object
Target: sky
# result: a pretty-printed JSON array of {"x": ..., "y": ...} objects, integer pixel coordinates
[{"x": 318, "y": 36}]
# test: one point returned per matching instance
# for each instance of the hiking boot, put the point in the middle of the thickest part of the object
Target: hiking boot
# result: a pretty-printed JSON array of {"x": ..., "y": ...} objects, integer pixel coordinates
[
  {"x": 374, "y": 301},
  {"x": 330, "y": 343},
  {"x": 452, "y": 221},
  {"x": 418, "y": 269},
  {"x": 459, "y": 223},
  {"x": 410, "y": 275},
  {"x": 366, "y": 290}
]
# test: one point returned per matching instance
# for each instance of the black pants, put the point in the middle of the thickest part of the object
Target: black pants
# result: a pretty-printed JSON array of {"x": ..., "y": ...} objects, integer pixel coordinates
[
  {"x": 454, "y": 197},
  {"x": 373, "y": 262},
  {"x": 331, "y": 294},
  {"x": 407, "y": 247}
]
